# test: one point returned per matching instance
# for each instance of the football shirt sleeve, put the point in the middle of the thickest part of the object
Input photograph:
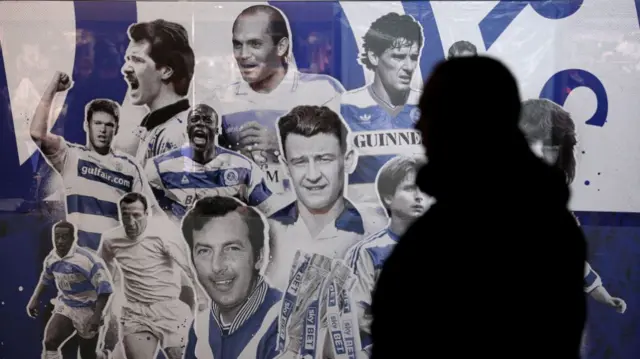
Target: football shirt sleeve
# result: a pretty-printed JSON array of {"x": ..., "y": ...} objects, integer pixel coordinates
[
  {"x": 59, "y": 159},
  {"x": 258, "y": 192},
  {"x": 591, "y": 279}
]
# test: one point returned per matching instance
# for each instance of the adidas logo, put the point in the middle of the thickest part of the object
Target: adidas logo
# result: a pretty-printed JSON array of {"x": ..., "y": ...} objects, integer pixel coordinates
[
  {"x": 184, "y": 180},
  {"x": 365, "y": 117}
]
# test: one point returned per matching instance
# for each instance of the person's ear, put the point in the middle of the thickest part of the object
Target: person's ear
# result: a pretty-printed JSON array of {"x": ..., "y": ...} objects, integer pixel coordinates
[
  {"x": 373, "y": 58},
  {"x": 350, "y": 161},
  {"x": 282, "y": 46},
  {"x": 166, "y": 72},
  {"x": 260, "y": 260}
]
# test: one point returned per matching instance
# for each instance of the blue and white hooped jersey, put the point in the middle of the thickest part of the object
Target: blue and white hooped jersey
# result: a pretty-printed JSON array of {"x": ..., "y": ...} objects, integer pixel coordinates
[
  {"x": 80, "y": 276},
  {"x": 378, "y": 133},
  {"x": 366, "y": 259},
  {"x": 253, "y": 334},
  {"x": 94, "y": 184},
  {"x": 180, "y": 181},
  {"x": 238, "y": 104}
]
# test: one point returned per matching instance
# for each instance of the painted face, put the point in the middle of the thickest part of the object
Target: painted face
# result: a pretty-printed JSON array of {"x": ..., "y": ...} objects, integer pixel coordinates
[
  {"x": 253, "y": 48},
  {"x": 225, "y": 262},
  {"x": 134, "y": 218},
  {"x": 102, "y": 129},
  {"x": 396, "y": 65},
  {"x": 408, "y": 202},
  {"x": 63, "y": 240},
  {"x": 141, "y": 73},
  {"x": 316, "y": 166},
  {"x": 202, "y": 127}
]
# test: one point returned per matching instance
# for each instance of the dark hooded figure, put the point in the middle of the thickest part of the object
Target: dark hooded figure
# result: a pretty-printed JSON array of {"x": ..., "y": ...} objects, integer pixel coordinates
[{"x": 495, "y": 267}]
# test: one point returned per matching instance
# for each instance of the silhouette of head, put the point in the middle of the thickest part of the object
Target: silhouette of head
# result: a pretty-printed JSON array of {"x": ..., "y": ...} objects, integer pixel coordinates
[{"x": 470, "y": 110}]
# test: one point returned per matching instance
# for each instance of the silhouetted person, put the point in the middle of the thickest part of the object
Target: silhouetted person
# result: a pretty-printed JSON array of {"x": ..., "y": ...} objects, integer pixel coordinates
[{"x": 495, "y": 266}]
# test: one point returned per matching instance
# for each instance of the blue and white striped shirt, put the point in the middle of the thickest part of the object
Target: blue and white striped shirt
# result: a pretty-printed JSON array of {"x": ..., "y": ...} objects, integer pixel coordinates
[
  {"x": 94, "y": 184},
  {"x": 252, "y": 334},
  {"x": 378, "y": 133},
  {"x": 366, "y": 259},
  {"x": 80, "y": 276},
  {"x": 178, "y": 181}
]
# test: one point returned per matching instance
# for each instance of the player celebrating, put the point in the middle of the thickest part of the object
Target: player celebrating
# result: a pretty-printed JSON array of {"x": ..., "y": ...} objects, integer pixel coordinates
[
  {"x": 382, "y": 115},
  {"x": 146, "y": 249},
  {"x": 322, "y": 220},
  {"x": 159, "y": 66},
  {"x": 202, "y": 169},
  {"x": 243, "y": 319},
  {"x": 84, "y": 289},
  {"x": 270, "y": 87},
  {"x": 405, "y": 203},
  {"x": 94, "y": 176},
  {"x": 462, "y": 49},
  {"x": 551, "y": 133}
]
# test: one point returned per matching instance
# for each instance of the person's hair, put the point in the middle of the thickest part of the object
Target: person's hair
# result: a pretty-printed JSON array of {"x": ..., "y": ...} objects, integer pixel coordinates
[
  {"x": 65, "y": 224},
  {"x": 105, "y": 105},
  {"x": 385, "y": 33},
  {"x": 133, "y": 197},
  {"x": 169, "y": 46},
  {"x": 278, "y": 27},
  {"x": 392, "y": 173},
  {"x": 461, "y": 46},
  {"x": 203, "y": 107},
  {"x": 546, "y": 121},
  {"x": 207, "y": 208},
  {"x": 309, "y": 121}
]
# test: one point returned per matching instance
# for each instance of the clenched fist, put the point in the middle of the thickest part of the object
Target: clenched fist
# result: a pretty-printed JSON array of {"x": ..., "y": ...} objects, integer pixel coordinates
[{"x": 61, "y": 81}]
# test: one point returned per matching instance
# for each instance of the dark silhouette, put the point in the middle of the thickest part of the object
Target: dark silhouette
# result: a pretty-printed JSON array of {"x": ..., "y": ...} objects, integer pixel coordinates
[{"x": 495, "y": 266}]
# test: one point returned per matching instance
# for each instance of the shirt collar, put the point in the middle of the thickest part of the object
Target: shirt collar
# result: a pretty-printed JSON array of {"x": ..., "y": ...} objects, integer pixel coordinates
[
  {"x": 248, "y": 309},
  {"x": 289, "y": 84},
  {"x": 72, "y": 251},
  {"x": 349, "y": 220},
  {"x": 392, "y": 235},
  {"x": 158, "y": 117}
]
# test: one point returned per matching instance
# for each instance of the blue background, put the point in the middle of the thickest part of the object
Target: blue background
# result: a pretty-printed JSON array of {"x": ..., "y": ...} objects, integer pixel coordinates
[{"x": 614, "y": 238}]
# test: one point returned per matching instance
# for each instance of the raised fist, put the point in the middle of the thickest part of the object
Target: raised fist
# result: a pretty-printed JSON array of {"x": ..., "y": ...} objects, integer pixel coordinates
[{"x": 62, "y": 81}]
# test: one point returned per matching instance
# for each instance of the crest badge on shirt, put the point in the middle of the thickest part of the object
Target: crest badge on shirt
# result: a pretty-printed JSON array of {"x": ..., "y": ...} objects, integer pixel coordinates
[
  {"x": 414, "y": 115},
  {"x": 230, "y": 178}
]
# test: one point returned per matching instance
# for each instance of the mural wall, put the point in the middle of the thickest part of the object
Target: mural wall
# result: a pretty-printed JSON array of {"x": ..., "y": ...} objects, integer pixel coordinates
[{"x": 225, "y": 180}]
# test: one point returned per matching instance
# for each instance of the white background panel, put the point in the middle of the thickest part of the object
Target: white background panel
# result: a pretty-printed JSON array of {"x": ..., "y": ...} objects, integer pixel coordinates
[{"x": 38, "y": 38}]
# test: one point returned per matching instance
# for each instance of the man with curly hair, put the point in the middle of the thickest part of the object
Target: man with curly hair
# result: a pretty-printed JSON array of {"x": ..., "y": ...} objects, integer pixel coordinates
[{"x": 382, "y": 114}]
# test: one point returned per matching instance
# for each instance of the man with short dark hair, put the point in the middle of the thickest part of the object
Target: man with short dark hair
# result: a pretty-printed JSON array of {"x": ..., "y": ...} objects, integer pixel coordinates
[
  {"x": 317, "y": 157},
  {"x": 84, "y": 288},
  {"x": 202, "y": 169},
  {"x": 159, "y": 66},
  {"x": 229, "y": 247},
  {"x": 404, "y": 203},
  {"x": 382, "y": 115},
  {"x": 147, "y": 250},
  {"x": 269, "y": 88},
  {"x": 94, "y": 176},
  {"x": 461, "y": 49}
]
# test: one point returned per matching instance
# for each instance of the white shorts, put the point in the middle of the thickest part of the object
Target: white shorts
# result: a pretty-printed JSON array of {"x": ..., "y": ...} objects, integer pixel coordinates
[
  {"x": 168, "y": 321},
  {"x": 79, "y": 316}
]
